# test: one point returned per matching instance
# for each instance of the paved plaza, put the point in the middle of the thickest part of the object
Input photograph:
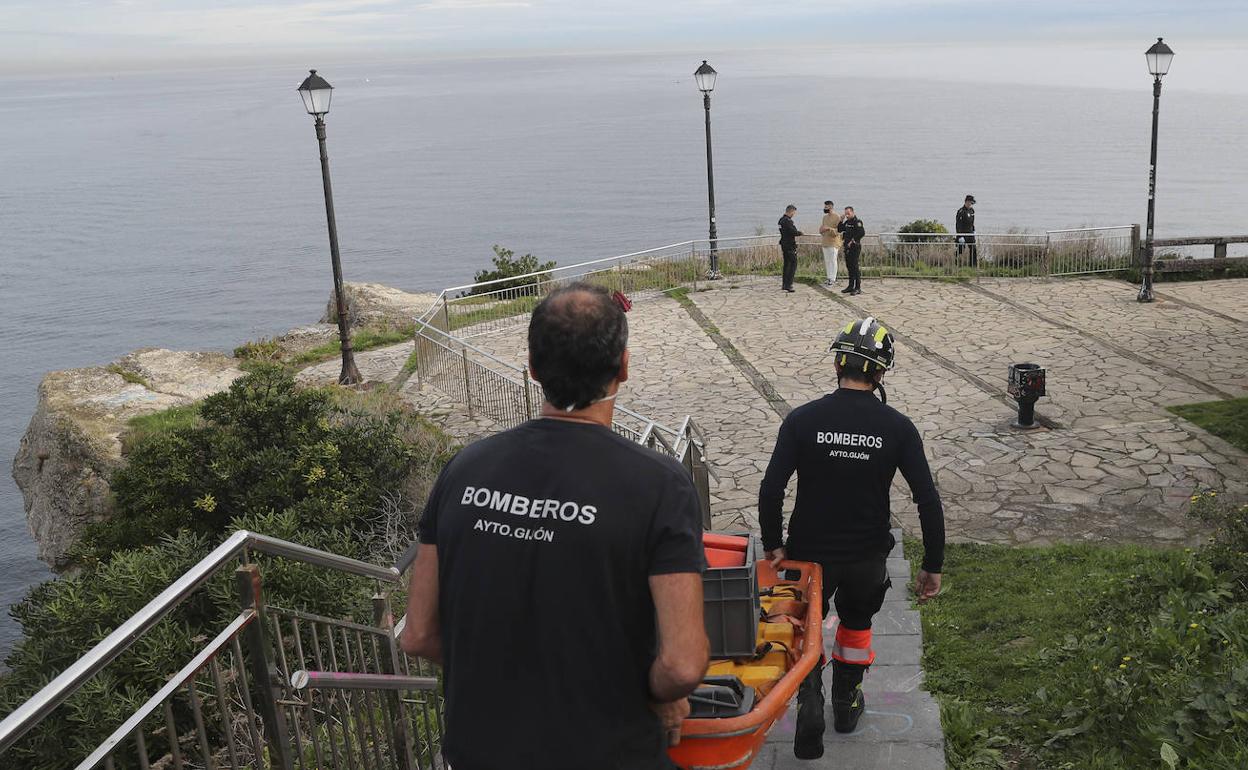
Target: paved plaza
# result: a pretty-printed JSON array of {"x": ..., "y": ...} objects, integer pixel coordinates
[{"x": 1111, "y": 464}]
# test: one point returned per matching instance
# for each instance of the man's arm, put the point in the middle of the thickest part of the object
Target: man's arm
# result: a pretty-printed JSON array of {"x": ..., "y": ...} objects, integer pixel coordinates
[
  {"x": 771, "y": 490},
  {"x": 918, "y": 475},
  {"x": 422, "y": 633},
  {"x": 683, "y": 648}
]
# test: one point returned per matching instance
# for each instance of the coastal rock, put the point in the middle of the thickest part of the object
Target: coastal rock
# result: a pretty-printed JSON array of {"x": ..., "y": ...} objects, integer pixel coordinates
[
  {"x": 373, "y": 304},
  {"x": 73, "y": 442}
]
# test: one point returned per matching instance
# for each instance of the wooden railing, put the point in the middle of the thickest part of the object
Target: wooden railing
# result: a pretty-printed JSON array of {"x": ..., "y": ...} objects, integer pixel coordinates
[{"x": 1219, "y": 262}]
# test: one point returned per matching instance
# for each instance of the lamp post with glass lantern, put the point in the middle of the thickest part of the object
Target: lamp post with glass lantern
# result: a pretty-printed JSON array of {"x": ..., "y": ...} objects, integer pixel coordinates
[
  {"x": 1158, "y": 57},
  {"x": 704, "y": 76},
  {"x": 316, "y": 93}
]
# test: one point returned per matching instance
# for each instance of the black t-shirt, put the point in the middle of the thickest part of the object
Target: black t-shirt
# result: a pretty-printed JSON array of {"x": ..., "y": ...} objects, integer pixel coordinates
[
  {"x": 547, "y": 535},
  {"x": 846, "y": 448}
]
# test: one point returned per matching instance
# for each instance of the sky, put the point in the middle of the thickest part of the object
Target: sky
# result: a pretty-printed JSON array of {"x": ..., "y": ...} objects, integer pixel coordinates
[{"x": 39, "y": 35}]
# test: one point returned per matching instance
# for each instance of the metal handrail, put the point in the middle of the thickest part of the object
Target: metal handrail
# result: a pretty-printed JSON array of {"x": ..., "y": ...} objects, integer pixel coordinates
[
  {"x": 53, "y": 694},
  {"x": 1087, "y": 229},
  {"x": 344, "y": 680},
  {"x": 154, "y": 702},
  {"x": 567, "y": 267}
]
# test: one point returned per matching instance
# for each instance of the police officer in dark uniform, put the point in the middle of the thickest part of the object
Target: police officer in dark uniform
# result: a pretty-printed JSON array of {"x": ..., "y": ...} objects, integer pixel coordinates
[
  {"x": 964, "y": 225},
  {"x": 846, "y": 448},
  {"x": 788, "y": 247},
  {"x": 852, "y": 231}
]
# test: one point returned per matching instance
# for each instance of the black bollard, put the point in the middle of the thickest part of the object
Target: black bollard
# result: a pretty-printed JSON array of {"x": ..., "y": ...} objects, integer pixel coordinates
[{"x": 1026, "y": 386}]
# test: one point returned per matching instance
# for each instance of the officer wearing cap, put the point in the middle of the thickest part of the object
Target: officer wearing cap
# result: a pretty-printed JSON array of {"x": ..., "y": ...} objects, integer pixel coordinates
[
  {"x": 964, "y": 225},
  {"x": 846, "y": 447}
]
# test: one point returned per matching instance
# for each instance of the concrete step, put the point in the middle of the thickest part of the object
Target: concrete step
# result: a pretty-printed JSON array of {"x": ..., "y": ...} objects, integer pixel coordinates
[{"x": 856, "y": 756}]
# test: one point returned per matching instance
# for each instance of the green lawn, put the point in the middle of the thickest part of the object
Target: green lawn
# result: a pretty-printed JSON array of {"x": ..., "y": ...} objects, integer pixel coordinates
[
  {"x": 1086, "y": 657},
  {"x": 1225, "y": 419},
  {"x": 170, "y": 419},
  {"x": 361, "y": 340}
]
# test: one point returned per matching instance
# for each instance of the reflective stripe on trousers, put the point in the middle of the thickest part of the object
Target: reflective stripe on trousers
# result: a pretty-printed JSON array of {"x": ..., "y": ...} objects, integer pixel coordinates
[{"x": 853, "y": 646}]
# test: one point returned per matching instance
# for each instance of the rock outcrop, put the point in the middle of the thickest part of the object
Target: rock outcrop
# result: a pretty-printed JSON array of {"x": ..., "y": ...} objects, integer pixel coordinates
[
  {"x": 376, "y": 305},
  {"x": 73, "y": 442}
]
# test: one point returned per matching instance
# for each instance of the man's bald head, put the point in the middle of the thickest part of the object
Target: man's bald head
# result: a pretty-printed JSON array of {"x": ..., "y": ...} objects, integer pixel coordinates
[{"x": 577, "y": 338}]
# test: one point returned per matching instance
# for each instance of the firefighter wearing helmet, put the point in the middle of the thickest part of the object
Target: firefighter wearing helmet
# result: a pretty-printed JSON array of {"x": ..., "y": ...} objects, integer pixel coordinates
[{"x": 846, "y": 447}]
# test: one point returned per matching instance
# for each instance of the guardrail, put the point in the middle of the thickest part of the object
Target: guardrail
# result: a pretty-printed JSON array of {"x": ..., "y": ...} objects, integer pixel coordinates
[
  {"x": 1219, "y": 262},
  {"x": 233, "y": 703},
  {"x": 507, "y": 395}
]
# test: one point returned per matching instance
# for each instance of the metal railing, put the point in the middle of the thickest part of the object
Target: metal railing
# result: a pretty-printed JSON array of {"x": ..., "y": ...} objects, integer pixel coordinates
[
  {"x": 235, "y": 703},
  {"x": 484, "y": 308},
  {"x": 506, "y": 394}
]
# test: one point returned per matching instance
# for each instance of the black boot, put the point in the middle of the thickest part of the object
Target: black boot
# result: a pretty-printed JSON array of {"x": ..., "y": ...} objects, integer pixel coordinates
[
  {"x": 808, "y": 742},
  {"x": 848, "y": 289},
  {"x": 848, "y": 702}
]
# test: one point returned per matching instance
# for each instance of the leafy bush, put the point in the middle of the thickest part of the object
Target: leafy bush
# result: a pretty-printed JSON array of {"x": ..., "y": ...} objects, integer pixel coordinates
[
  {"x": 262, "y": 445},
  {"x": 332, "y": 469},
  {"x": 919, "y": 228},
  {"x": 508, "y": 265}
]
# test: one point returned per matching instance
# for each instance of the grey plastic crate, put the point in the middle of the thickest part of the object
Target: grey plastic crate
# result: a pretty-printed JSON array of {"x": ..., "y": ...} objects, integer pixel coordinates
[{"x": 730, "y": 605}]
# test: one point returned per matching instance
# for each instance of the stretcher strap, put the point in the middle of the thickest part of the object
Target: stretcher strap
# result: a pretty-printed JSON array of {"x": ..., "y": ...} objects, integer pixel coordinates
[{"x": 853, "y": 646}]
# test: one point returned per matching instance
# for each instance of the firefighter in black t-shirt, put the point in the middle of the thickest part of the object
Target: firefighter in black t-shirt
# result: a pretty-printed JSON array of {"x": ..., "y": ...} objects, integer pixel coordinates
[
  {"x": 846, "y": 448},
  {"x": 558, "y": 578},
  {"x": 964, "y": 224}
]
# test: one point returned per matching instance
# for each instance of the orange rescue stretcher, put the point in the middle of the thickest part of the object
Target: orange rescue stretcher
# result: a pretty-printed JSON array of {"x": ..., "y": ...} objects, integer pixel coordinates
[{"x": 790, "y": 647}]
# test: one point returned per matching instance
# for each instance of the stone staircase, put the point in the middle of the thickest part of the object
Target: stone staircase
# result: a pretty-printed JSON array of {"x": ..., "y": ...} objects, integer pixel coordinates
[{"x": 901, "y": 728}]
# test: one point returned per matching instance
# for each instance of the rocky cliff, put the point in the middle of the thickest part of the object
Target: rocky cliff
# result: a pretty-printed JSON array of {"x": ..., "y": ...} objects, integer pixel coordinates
[{"x": 73, "y": 442}]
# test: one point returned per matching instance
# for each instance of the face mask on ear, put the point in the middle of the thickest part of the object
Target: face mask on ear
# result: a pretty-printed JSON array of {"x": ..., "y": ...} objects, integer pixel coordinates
[{"x": 611, "y": 397}]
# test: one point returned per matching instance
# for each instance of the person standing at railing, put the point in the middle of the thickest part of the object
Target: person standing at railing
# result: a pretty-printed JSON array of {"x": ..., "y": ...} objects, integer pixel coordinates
[
  {"x": 830, "y": 240},
  {"x": 788, "y": 247},
  {"x": 558, "y": 577},
  {"x": 846, "y": 448},
  {"x": 853, "y": 231},
  {"x": 964, "y": 226}
]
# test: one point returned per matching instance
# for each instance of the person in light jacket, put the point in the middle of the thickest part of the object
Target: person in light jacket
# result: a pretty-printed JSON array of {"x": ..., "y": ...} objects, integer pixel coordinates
[{"x": 831, "y": 240}]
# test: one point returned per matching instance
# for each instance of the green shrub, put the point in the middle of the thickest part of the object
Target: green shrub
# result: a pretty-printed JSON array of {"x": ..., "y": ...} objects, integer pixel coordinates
[
  {"x": 332, "y": 469},
  {"x": 508, "y": 265},
  {"x": 267, "y": 349},
  {"x": 920, "y": 227}
]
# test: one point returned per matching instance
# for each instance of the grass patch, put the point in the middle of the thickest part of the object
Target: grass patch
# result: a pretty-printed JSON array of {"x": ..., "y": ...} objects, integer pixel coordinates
[
  {"x": 171, "y": 419},
  {"x": 1081, "y": 656},
  {"x": 1225, "y": 419},
  {"x": 127, "y": 375},
  {"x": 361, "y": 340}
]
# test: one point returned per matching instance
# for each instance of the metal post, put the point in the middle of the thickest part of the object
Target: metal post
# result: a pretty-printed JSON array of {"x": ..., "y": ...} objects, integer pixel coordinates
[
  {"x": 1137, "y": 256},
  {"x": 260, "y": 668},
  {"x": 390, "y": 662},
  {"x": 350, "y": 375},
  {"x": 467, "y": 385},
  {"x": 1146, "y": 289},
  {"x": 713, "y": 273},
  {"x": 528, "y": 398}
]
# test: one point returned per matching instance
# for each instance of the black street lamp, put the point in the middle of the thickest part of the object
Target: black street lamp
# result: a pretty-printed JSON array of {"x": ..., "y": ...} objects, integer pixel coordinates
[
  {"x": 1158, "y": 57},
  {"x": 316, "y": 93},
  {"x": 705, "y": 78}
]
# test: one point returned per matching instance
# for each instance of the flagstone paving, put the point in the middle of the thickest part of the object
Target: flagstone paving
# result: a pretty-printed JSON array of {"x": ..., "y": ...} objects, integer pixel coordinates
[{"x": 1110, "y": 464}]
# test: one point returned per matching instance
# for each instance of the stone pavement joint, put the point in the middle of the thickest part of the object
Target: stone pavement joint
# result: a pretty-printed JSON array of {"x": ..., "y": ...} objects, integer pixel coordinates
[
  {"x": 757, "y": 380},
  {"x": 945, "y": 362},
  {"x": 1200, "y": 308},
  {"x": 1212, "y": 390}
]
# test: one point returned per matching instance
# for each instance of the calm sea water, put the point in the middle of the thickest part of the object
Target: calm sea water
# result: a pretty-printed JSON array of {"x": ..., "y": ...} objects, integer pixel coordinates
[{"x": 184, "y": 210}]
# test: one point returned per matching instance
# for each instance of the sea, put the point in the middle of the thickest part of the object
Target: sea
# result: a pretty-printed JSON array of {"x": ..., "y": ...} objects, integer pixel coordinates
[{"x": 183, "y": 208}]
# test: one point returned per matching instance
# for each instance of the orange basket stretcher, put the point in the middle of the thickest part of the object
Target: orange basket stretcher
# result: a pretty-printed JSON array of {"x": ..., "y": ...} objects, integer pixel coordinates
[{"x": 732, "y": 743}]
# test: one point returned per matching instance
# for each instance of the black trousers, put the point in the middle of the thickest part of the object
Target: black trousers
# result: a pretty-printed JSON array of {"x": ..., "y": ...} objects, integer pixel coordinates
[
  {"x": 790, "y": 267},
  {"x": 852, "y": 253},
  {"x": 856, "y": 589},
  {"x": 967, "y": 241}
]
